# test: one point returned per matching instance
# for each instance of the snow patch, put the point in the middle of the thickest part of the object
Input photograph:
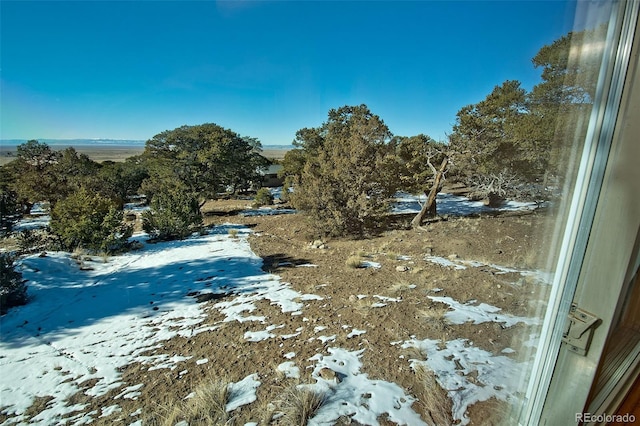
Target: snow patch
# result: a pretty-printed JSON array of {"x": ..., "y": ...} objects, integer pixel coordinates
[
  {"x": 355, "y": 395},
  {"x": 470, "y": 374},
  {"x": 289, "y": 369},
  {"x": 243, "y": 392},
  {"x": 478, "y": 314}
]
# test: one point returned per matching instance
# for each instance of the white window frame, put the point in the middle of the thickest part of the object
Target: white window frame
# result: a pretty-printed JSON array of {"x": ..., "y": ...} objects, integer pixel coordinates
[{"x": 599, "y": 234}]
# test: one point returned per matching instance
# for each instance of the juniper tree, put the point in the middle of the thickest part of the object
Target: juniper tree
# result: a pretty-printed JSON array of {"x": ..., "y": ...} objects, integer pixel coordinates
[
  {"x": 88, "y": 220},
  {"x": 346, "y": 188},
  {"x": 174, "y": 212}
]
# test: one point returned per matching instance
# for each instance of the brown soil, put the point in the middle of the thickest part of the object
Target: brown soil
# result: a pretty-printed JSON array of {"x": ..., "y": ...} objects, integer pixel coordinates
[{"x": 284, "y": 243}]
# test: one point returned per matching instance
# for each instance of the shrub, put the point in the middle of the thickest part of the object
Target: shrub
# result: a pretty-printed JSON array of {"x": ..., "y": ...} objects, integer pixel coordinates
[
  {"x": 264, "y": 197},
  {"x": 174, "y": 214},
  {"x": 10, "y": 211},
  {"x": 287, "y": 189},
  {"x": 89, "y": 220},
  {"x": 32, "y": 240},
  {"x": 13, "y": 291}
]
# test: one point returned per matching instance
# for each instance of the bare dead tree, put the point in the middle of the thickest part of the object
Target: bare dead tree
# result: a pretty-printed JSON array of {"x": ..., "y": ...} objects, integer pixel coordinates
[{"x": 429, "y": 209}]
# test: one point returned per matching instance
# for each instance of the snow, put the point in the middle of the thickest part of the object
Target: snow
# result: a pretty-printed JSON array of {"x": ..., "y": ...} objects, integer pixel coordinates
[
  {"x": 444, "y": 262},
  {"x": 257, "y": 336},
  {"x": 138, "y": 207},
  {"x": 388, "y": 299},
  {"x": 32, "y": 223},
  {"x": 242, "y": 392},
  {"x": 355, "y": 395},
  {"x": 355, "y": 332},
  {"x": 454, "y": 205},
  {"x": 370, "y": 264},
  {"x": 107, "y": 411},
  {"x": 84, "y": 325},
  {"x": 478, "y": 314},
  {"x": 470, "y": 374},
  {"x": 325, "y": 339},
  {"x": 266, "y": 211},
  {"x": 88, "y": 325},
  {"x": 540, "y": 277},
  {"x": 289, "y": 369}
]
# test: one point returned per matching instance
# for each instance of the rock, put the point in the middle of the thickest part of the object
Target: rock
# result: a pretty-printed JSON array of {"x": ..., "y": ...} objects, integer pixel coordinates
[
  {"x": 329, "y": 374},
  {"x": 317, "y": 244},
  {"x": 402, "y": 268},
  {"x": 493, "y": 200}
]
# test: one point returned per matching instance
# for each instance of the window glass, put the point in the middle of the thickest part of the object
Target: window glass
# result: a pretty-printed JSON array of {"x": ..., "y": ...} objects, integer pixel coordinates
[{"x": 393, "y": 265}]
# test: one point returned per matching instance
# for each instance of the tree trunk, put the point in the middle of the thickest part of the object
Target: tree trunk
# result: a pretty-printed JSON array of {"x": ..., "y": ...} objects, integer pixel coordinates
[{"x": 429, "y": 208}]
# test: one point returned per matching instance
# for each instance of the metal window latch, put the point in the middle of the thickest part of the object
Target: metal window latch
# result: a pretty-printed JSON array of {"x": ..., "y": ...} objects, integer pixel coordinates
[{"x": 579, "y": 330}]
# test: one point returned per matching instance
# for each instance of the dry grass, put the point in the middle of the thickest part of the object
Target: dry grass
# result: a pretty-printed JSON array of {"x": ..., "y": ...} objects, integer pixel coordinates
[
  {"x": 436, "y": 311},
  {"x": 208, "y": 405},
  {"x": 530, "y": 259},
  {"x": 166, "y": 412},
  {"x": 400, "y": 287},
  {"x": 431, "y": 397},
  {"x": 39, "y": 404},
  {"x": 363, "y": 306},
  {"x": 354, "y": 262},
  {"x": 299, "y": 404},
  {"x": 79, "y": 254}
]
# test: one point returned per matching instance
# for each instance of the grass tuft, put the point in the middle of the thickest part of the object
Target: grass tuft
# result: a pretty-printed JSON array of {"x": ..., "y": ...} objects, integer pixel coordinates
[
  {"x": 354, "y": 262},
  {"x": 431, "y": 397},
  {"x": 208, "y": 406},
  {"x": 300, "y": 404}
]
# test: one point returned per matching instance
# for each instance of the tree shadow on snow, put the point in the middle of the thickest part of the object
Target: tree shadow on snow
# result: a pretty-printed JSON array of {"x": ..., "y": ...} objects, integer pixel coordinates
[
  {"x": 279, "y": 261},
  {"x": 157, "y": 281}
]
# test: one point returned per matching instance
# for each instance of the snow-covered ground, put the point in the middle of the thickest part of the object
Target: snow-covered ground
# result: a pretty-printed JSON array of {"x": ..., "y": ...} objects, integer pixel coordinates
[
  {"x": 541, "y": 277},
  {"x": 454, "y": 205},
  {"x": 87, "y": 324}
]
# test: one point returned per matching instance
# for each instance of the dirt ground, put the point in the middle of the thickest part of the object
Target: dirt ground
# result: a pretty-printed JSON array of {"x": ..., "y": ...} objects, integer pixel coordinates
[{"x": 285, "y": 242}]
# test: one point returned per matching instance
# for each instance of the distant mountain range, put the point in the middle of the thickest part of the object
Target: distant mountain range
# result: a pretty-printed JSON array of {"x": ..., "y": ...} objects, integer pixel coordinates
[
  {"x": 102, "y": 142},
  {"x": 76, "y": 142}
]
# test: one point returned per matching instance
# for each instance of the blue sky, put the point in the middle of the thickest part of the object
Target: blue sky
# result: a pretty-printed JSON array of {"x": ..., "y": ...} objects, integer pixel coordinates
[{"x": 131, "y": 69}]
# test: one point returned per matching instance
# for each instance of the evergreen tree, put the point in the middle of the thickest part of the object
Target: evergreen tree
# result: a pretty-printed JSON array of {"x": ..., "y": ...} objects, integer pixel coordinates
[
  {"x": 207, "y": 159},
  {"x": 346, "y": 189},
  {"x": 174, "y": 213},
  {"x": 484, "y": 133},
  {"x": 89, "y": 220},
  {"x": 13, "y": 291}
]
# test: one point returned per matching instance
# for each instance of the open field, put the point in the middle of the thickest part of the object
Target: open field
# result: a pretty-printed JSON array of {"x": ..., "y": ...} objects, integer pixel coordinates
[
  {"x": 98, "y": 154},
  {"x": 115, "y": 153},
  {"x": 409, "y": 327}
]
